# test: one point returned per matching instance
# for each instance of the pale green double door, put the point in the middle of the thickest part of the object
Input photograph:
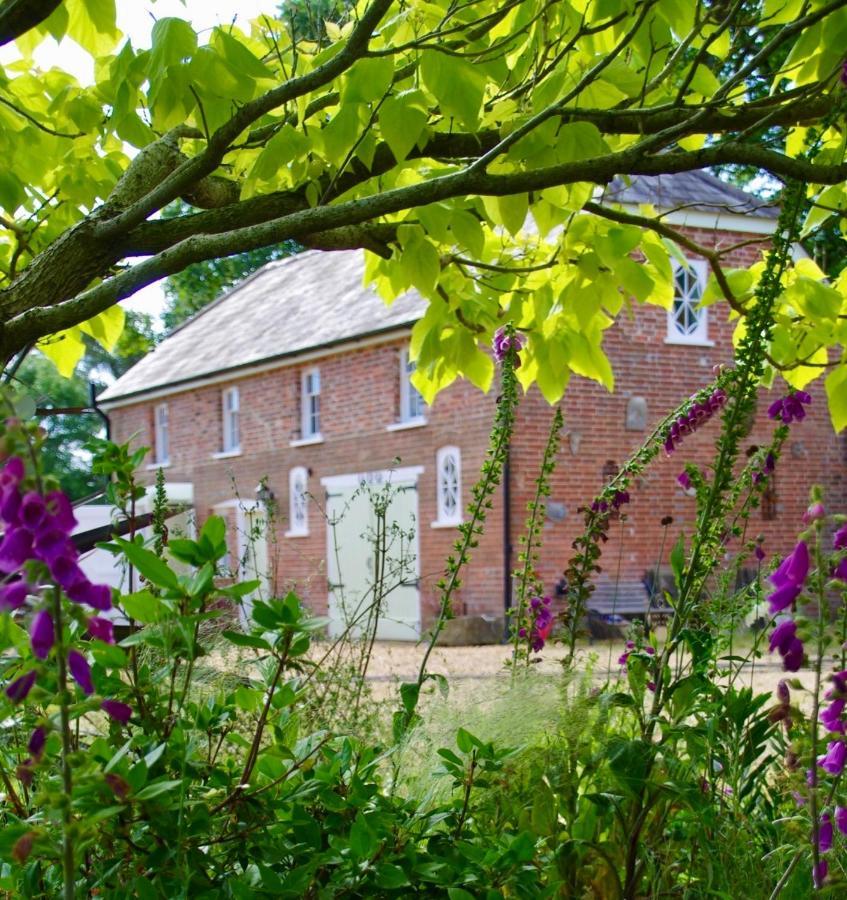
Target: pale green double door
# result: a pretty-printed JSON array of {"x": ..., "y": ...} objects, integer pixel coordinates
[{"x": 373, "y": 566}]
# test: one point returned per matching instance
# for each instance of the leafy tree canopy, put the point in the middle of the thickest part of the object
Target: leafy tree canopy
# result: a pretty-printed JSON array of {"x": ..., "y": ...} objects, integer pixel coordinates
[{"x": 424, "y": 132}]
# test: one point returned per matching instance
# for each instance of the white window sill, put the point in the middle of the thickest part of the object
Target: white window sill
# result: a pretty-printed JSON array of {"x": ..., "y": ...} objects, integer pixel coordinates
[
  {"x": 151, "y": 467},
  {"x": 305, "y": 442},
  {"x": 685, "y": 342},
  {"x": 454, "y": 524},
  {"x": 403, "y": 426},
  {"x": 227, "y": 454},
  {"x": 296, "y": 534}
]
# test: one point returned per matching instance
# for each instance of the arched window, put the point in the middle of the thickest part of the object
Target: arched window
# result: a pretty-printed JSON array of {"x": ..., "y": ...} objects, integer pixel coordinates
[
  {"x": 448, "y": 472},
  {"x": 687, "y": 321},
  {"x": 298, "y": 510}
]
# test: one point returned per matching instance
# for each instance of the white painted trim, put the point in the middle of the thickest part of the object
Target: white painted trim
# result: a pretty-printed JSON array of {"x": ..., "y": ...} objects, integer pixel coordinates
[
  {"x": 714, "y": 221},
  {"x": 307, "y": 442},
  {"x": 181, "y": 492},
  {"x": 402, "y": 475},
  {"x": 227, "y": 454},
  {"x": 237, "y": 502},
  {"x": 151, "y": 467},
  {"x": 297, "y": 359},
  {"x": 438, "y": 524},
  {"x": 405, "y": 426},
  {"x": 681, "y": 342}
]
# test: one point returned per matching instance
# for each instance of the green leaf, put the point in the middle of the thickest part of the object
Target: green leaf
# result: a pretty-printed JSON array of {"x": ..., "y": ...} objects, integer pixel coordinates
[
  {"x": 421, "y": 264},
  {"x": 142, "y": 606},
  {"x": 149, "y": 565},
  {"x": 836, "y": 395},
  {"x": 246, "y": 640},
  {"x": 409, "y": 693},
  {"x": 240, "y": 57},
  {"x": 391, "y": 876},
  {"x": 173, "y": 41},
  {"x": 457, "y": 85},
  {"x": 368, "y": 80},
  {"x": 109, "y": 656},
  {"x": 401, "y": 124},
  {"x": 156, "y": 789}
]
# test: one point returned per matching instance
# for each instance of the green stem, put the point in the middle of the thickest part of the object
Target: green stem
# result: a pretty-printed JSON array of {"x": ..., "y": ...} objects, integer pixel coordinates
[{"x": 68, "y": 869}]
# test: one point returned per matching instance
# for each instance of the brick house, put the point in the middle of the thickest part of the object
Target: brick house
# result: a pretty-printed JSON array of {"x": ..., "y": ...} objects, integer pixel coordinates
[{"x": 296, "y": 382}]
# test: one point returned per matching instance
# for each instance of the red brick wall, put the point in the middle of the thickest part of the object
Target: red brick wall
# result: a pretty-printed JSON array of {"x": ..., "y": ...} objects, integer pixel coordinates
[{"x": 359, "y": 398}]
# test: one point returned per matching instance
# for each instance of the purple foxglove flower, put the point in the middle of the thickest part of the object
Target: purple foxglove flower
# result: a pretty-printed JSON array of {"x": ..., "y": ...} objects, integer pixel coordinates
[
  {"x": 25, "y": 773},
  {"x": 80, "y": 670},
  {"x": 36, "y": 743},
  {"x": 782, "y": 635},
  {"x": 833, "y": 760},
  {"x": 841, "y": 818},
  {"x": 15, "y": 550},
  {"x": 102, "y": 629},
  {"x": 120, "y": 786},
  {"x": 840, "y": 571},
  {"x": 503, "y": 343},
  {"x": 844, "y": 74},
  {"x": 51, "y": 543},
  {"x": 775, "y": 409},
  {"x": 13, "y": 595},
  {"x": 770, "y": 464},
  {"x": 815, "y": 512},
  {"x": 651, "y": 686},
  {"x": 33, "y": 510},
  {"x": 819, "y": 873},
  {"x": 839, "y": 685},
  {"x": 622, "y": 659},
  {"x": 783, "y": 597},
  {"x": 620, "y": 498},
  {"x": 684, "y": 481},
  {"x": 782, "y": 692},
  {"x": 825, "y": 833},
  {"x": 759, "y": 553},
  {"x": 830, "y": 716},
  {"x": 60, "y": 512},
  {"x": 120, "y": 712},
  {"x": 839, "y": 539},
  {"x": 792, "y": 659},
  {"x": 20, "y": 687},
  {"x": 794, "y": 568},
  {"x": 522, "y": 633},
  {"x": 669, "y": 445},
  {"x": 12, "y": 473},
  {"x": 10, "y": 504},
  {"x": 66, "y": 572},
  {"x": 42, "y": 634},
  {"x": 97, "y": 596}
]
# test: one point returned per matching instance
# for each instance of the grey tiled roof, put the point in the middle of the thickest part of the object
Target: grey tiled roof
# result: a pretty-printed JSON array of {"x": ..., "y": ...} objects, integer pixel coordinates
[
  {"x": 295, "y": 304},
  {"x": 317, "y": 299},
  {"x": 693, "y": 190}
]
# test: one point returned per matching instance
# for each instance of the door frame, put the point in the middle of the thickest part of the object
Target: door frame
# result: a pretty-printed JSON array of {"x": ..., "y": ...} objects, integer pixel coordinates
[{"x": 242, "y": 507}]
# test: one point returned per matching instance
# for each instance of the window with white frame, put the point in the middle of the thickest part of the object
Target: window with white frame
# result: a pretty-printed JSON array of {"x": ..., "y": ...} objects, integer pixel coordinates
[
  {"x": 231, "y": 425},
  {"x": 161, "y": 435},
  {"x": 298, "y": 511},
  {"x": 687, "y": 321},
  {"x": 412, "y": 407},
  {"x": 448, "y": 469},
  {"x": 310, "y": 404}
]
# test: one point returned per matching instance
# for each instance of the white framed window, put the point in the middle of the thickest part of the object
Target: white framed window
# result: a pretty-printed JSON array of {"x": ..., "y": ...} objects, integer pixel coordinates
[
  {"x": 687, "y": 321},
  {"x": 161, "y": 435},
  {"x": 231, "y": 423},
  {"x": 412, "y": 406},
  {"x": 310, "y": 404},
  {"x": 448, "y": 474},
  {"x": 298, "y": 510}
]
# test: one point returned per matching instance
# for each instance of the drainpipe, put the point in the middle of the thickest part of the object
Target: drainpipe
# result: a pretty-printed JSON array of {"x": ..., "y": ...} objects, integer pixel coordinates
[
  {"x": 507, "y": 540},
  {"x": 92, "y": 399}
]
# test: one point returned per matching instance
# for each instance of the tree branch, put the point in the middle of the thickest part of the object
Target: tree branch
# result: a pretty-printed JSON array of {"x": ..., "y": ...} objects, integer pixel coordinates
[
  {"x": 206, "y": 162},
  {"x": 17, "y": 17}
]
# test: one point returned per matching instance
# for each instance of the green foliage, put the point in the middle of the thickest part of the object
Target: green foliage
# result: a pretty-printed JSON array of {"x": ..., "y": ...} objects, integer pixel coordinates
[{"x": 462, "y": 147}]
